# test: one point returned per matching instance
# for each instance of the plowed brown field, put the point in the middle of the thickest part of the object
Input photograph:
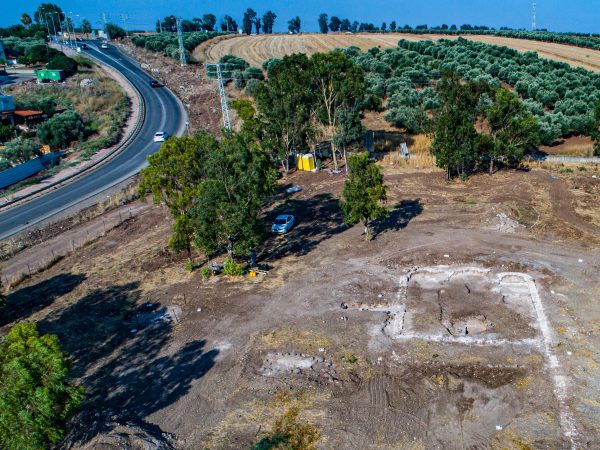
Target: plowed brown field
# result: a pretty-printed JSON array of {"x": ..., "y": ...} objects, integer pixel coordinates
[{"x": 256, "y": 49}]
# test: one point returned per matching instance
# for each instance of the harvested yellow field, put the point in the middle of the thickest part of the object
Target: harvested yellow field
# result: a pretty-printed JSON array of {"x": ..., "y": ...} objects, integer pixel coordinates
[{"x": 256, "y": 49}]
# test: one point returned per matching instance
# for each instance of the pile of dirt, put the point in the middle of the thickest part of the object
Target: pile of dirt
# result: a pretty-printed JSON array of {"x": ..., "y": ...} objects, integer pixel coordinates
[{"x": 189, "y": 83}]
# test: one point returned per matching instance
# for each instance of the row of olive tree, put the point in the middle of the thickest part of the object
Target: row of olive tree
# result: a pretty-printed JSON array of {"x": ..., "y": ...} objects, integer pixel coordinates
[{"x": 561, "y": 97}]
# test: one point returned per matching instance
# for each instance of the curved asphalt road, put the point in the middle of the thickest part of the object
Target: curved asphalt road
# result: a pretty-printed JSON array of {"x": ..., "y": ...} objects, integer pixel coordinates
[{"x": 164, "y": 112}]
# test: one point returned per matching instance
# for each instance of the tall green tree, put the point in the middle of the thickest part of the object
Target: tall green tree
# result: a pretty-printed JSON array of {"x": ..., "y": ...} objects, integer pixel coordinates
[
  {"x": 169, "y": 23},
  {"x": 338, "y": 84},
  {"x": 363, "y": 192},
  {"x": 173, "y": 176},
  {"x": 46, "y": 10},
  {"x": 393, "y": 26},
  {"x": 115, "y": 31},
  {"x": 238, "y": 179},
  {"x": 26, "y": 19},
  {"x": 512, "y": 128},
  {"x": 208, "y": 22},
  {"x": 350, "y": 131},
  {"x": 294, "y": 25},
  {"x": 334, "y": 24},
  {"x": 86, "y": 27},
  {"x": 455, "y": 139},
  {"x": 257, "y": 23},
  {"x": 268, "y": 20},
  {"x": 36, "y": 396},
  {"x": 284, "y": 105},
  {"x": 248, "y": 21},
  {"x": 323, "y": 27},
  {"x": 228, "y": 24}
]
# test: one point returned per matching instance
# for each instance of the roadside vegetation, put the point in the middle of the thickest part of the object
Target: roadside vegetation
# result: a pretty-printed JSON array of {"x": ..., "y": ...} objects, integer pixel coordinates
[{"x": 84, "y": 116}]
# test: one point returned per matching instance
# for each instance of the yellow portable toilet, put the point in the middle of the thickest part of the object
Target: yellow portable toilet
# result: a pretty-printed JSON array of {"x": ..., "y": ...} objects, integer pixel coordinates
[{"x": 307, "y": 162}]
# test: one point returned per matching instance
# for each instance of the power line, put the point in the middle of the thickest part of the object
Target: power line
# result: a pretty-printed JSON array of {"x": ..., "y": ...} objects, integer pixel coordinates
[
  {"x": 124, "y": 18},
  {"x": 214, "y": 72},
  {"x": 180, "y": 39}
]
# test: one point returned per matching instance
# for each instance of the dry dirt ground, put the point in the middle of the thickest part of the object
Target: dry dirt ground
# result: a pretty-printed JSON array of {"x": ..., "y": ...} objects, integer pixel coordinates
[
  {"x": 256, "y": 49},
  {"x": 470, "y": 321}
]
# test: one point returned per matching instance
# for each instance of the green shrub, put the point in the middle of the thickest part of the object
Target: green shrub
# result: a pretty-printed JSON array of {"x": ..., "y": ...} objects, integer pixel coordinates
[
  {"x": 234, "y": 61},
  {"x": 20, "y": 151},
  {"x": 64, "y": 63},
  {"x": 61, "y": 129},
  {"x": 7, "y": 132},
  {"x": 232, "y": 268},
  {"x": 205, "y": 272}
]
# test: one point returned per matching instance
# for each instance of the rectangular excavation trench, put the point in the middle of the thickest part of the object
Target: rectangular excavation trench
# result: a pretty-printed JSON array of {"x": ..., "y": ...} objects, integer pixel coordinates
[{"x": 509, "y": 292}]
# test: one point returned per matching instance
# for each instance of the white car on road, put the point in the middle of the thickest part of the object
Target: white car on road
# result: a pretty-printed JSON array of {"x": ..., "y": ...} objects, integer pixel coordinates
[
  {"x": 104, "y": 45},
  {"x": 160, "y": 136}
]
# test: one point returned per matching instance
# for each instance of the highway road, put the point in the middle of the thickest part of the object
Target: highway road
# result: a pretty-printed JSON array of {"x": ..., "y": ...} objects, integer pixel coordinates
[{"x": 164, "y": 112}]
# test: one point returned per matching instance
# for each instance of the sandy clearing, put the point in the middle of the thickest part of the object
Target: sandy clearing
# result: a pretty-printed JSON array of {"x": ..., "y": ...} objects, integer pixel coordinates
[{"x": 256, "y": 49}]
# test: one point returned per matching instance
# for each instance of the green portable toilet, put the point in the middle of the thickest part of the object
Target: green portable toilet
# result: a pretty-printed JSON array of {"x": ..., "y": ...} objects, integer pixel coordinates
[
  {"x": 41, "y": 74},
  {"x": 49, "y": 75},
  {"x": 55, "y": 75}
]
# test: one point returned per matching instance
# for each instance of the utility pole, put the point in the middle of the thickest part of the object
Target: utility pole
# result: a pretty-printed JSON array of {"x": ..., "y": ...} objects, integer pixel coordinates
[
  {"x": 54, "y": 27},
  {"x": 48, "y": 27},
  {"x": 533, "y": 16},
  {"x": 69, "y": 30},
  {"x": 124, "y": 18},
  {"x": 181, "y": 47},
  {"x": 62, "y": 34},
  {"x": 215, "y": 70},
  {"x": 105, "y": 32},
  {"x": 159, "y": 25}
]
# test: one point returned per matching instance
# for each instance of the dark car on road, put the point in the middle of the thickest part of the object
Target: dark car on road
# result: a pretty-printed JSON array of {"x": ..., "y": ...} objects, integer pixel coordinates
[{"x": 154, "y": 84}]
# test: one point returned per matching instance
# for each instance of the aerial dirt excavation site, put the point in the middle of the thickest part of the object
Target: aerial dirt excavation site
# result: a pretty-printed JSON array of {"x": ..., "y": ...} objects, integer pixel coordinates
[
  {"x": 231, "y": 292},
  {"x": 461, "y": 325}
]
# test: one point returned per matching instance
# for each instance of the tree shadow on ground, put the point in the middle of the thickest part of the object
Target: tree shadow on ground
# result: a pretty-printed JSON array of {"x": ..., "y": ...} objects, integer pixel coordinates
[
  {"x": 316, "y": 219},
  {"x": 26, "y": 301},
  {"x": 399, "y": 217},
  {"x": 94, "y": 326},
  {"x": 117, "y": 347}
]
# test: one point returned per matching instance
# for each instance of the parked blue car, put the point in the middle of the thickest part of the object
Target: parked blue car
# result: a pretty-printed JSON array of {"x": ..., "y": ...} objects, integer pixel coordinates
[{"x": 282, "y": 224}]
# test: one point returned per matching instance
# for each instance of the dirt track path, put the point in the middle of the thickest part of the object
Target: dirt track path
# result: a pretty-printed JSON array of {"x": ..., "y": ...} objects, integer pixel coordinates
[
  {"x": 256, "y": 49},
  {"x": 31, "y": 259}
]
